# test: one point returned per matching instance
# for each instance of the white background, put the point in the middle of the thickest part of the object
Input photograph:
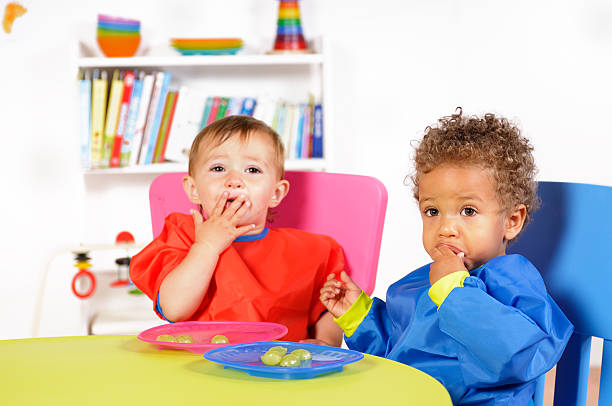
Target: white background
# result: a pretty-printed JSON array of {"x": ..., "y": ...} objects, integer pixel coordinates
[{"x": 397, "y": 67}]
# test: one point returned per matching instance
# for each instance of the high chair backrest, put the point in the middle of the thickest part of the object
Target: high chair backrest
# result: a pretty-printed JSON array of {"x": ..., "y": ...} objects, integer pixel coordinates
[
  {"x": 570, "y": 242},
  {"x": 349, "y": 208}
]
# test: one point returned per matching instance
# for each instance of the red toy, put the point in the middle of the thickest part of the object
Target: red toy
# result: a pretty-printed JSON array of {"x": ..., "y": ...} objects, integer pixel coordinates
[{"x": 124, "y": 239}]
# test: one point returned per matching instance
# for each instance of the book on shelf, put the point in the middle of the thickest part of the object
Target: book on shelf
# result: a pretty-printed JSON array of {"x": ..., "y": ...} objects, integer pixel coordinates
[
  {"x": 132, "y": 114},
  {"x": 278, "y": 121},
  {"x": 214, "y": 108},
  {"x": 206, "y": 112},
  {"x": 308, "y": 132},
  {"x": 132, "y": 149},
  {"x": 222, "y": 108},
  {"x": 112, "y": 117},
  {"x": 85, "y": 117},
  {"x": 128, "y": 85},
  {"x": 164, "y": 127},
  {"x": 304, "y": 151},
  {"x": 98, "y": 115},
  {"x": 285, "y": 133},
  {"x": 317, "y": 132},
  {"x": 235, "y": 106},
  {"x": 135, "y": 119},
  {"x": 264, "y": 109},
  {"x": 248, "y": 106},
  {"x": 158, "y": 98},
  {"x": 185, "y": 125}
]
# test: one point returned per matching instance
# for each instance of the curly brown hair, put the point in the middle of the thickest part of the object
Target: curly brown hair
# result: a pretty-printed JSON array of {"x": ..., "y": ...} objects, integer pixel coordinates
[
  {"x": 221, "y": 130},
  {"x": 490, "y": 142}
]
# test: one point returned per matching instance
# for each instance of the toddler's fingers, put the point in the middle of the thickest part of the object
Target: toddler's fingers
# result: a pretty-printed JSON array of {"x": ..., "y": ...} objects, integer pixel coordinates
[
  {"x": 239, "y": 208},
  {"x": 331, "y": 287},
  {"x": 220, "y": 205},
  {"x": 348, "y": 281},
  {"x": 197, "y": 216},
  {"x": 242, "y": 230}
]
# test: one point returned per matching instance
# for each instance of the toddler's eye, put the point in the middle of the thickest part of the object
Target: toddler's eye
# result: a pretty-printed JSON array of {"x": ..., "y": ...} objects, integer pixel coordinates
[
  {"x": 431, "y": 212},
  {"x": 468, "y": 211},
  {"x": 253, "y": 170},
  {"x": 216, "y": 169}
]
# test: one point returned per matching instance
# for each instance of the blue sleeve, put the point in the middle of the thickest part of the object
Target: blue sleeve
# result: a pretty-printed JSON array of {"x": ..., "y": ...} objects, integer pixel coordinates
[
  {"x": 372, "y": 335},
  {"x": 506, "y": 327},
  {"x": 159, "y": 309}
]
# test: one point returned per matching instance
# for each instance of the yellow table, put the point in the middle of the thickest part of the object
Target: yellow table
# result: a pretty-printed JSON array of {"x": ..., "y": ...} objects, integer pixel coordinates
[{"x": 122, "y": 370}]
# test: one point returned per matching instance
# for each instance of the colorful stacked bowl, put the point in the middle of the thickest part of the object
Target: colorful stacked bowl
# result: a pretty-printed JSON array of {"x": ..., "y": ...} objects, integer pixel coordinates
[
  {"x": 206, "y": 46},
  {"x": 118, "y": 36}
]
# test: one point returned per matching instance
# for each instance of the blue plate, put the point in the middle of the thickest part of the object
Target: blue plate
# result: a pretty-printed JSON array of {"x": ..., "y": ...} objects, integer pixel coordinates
[
  {"x": 247, "y": 357},
  {"x": 225, "y": 51}
]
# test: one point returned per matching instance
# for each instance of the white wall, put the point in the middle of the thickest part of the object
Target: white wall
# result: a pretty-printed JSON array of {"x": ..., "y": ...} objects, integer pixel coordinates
[{"x": 397, "y": 67}]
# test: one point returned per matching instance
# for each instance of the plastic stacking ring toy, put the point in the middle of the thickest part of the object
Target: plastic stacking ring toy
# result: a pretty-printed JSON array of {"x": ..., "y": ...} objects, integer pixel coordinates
[{"x": 92, "y": 285}]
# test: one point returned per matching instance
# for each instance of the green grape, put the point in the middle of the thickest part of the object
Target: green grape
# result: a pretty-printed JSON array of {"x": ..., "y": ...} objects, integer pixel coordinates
[
  {"x": 166, "y": 337},
  {"x": 302, "y": 354},
  {"x": 219, "y": 339},
  {"x": 281, "y": 350},
  {"x": 290, "y": 361},
  {"x": 271, "y": 358},
  {"x": 184, "y": 338}
]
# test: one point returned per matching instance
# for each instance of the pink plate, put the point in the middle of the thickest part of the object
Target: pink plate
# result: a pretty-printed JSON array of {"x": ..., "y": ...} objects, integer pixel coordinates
[{"x": 237, "y": 332}]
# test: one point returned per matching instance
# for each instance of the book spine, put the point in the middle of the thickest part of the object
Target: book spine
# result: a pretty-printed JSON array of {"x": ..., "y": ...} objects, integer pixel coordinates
[
  {"x": 222, "y": 109},
  {"x": 98, "y": 114},
  {"x": 248, "y": 106},
  {"x": 206, "y": 113},
  {"x": 287, "y": 127},
  {"x": 276, "y": 116},
  {"x": 317, "y": 132},
  {"x": 212, "y": 116},
  {"x": 298, "y": 117},
  {"x": 146, "y": 135},
  {"x": 311, "y": 104},
  {"x": 141, "y": 120},
  {"x": 112, "y": 117},
  {"x": 85, "y": 119},
  {"x": 157, "y": 118},
  {"x": 305, "y": 133},
  {"x": 162, "y": 154},
  {"x": 185, "y": 103},
  {"x": 234, "y": 107},
  {"x": 282, "y": 114},
  {"x": 163, "y": 127},
  {"x": 128, "y": 84},
  {"x": 135, "y": 99}
]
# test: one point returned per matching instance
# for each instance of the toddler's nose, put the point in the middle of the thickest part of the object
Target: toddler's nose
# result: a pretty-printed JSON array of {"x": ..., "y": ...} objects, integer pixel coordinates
[
  {"x": 448, "y": 226},
  {"x": 234, "y": 181}
]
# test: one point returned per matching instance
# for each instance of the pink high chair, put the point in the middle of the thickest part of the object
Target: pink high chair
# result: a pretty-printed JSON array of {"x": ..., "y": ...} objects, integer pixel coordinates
[{"x": 349, "y": 208}]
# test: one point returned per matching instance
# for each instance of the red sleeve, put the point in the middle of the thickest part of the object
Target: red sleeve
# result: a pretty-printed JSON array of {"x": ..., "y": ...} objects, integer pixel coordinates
[
  {"x": 334, "y": 264},
  {"x": 150, "y": 266}
]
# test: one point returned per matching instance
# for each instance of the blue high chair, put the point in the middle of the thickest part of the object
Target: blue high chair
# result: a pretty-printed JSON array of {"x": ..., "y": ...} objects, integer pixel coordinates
[{"x": 570, "y": 242}]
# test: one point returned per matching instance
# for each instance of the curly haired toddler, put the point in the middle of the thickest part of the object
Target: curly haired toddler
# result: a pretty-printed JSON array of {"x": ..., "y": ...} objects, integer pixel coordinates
[{"x": 480, "y": 321}]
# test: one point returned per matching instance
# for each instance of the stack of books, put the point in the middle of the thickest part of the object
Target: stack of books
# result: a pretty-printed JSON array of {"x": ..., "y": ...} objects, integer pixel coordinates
[{"x": 130, "y": 118}]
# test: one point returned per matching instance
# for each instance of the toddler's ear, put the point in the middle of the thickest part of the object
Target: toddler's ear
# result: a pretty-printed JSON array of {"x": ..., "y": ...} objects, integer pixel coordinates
[
  {"x": 515, "y": 221},
  {"x": 190, "y": 190},
  {"x": 280, "y": 191}
]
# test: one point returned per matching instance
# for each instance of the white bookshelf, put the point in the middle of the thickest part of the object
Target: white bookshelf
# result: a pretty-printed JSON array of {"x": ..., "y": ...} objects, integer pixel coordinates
[
  {"x": 116, "y": 199},
  {"x": 291, "y": 77}
]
